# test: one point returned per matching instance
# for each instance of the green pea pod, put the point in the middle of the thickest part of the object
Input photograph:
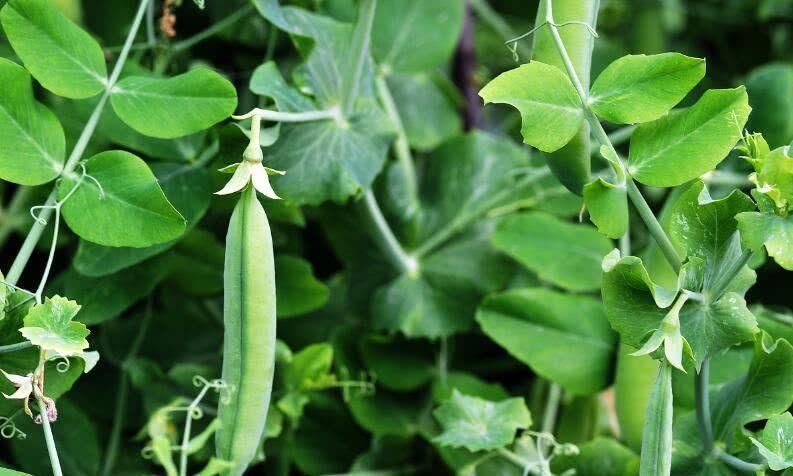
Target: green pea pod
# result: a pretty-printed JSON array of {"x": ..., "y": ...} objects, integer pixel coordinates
[
  {"x": 249, "y": 338},
  {"x": 571, "y": 163},
  {"x": 632, "y": 387}
]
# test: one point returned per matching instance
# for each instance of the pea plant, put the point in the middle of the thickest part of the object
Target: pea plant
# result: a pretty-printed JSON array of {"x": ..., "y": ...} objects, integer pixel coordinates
[{"x": 299, "y": 237}]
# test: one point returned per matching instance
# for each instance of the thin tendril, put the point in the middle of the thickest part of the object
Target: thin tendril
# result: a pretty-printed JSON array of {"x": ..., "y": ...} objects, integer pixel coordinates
[
  {"x": 512, "y": 44},
  {"x": 63, "y": 365}
]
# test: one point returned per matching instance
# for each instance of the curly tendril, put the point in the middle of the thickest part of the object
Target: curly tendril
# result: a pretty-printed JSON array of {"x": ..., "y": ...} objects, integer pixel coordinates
[
  {"x": 9, "y": 430},
  {"x": 512, "y": 44},
  {"x": 63, "y": 365}
]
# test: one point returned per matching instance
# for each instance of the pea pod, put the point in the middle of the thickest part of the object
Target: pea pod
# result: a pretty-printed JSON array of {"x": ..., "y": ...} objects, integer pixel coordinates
[
  {"x": 571, "y": 163},
  {"x": 634, "y": 382},
  {"x": 249, "y": 338}
]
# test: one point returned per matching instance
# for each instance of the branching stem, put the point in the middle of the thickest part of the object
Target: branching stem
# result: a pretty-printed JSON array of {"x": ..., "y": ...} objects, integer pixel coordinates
[
  {"x": 385, "y": 238},
  {"x": 401, "y": 145}
]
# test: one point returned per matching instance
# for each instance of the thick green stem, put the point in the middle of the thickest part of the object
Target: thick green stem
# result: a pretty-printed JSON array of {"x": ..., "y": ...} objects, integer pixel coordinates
[
  {"x": 22, "y": 258},
  {"x": 307, "y": 116},
  {"x": 48, "y": 438},
  {"x": 703, "y": 406},
  {"x": 738, "y": 463},
  {"x": 360, "y": 44},
  {"x": 401, "y": 145},
  {"x": 385, "y": 238}
]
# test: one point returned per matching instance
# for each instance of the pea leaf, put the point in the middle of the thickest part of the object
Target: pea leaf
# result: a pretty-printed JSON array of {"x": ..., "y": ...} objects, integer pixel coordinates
[
  {"x": 59, "y": 54},
  {"x": 477, "y": 424},
  {"x": 774, "y": 177},
  {"x": 656, "y": 457},
  {"x": 769, "y": 230},
  {"x": 11, "y": 472},
  {"x": 130, "y": 209},
  {"x": 571, "y": 260},
  {"x": 539, "y": 327},
  {"x": 32, "y": 144},
  {"x": 635, "y": 307},
  {"x": 388, "y": 413},
  {"x": 770, "y": 87},
  {"x": 400, "y": 364},
  {"x": 428, "y": 115},
  {"x": 776, "y": 442},
  {"x": 106, "y": 297},
  {"x": 640, "y": 88},
  {"x": 600, "y": 457},
  {"x": 330, "y": 159},
  {"x": 706, "y": 229},
  {"x": 309, "y": 367},
  {"x": 549, "y": 105},
  {"x": 174, "y": 107},
  {"x": 608, "y": 207},
  {"x": 298, "y": 290},
  {"x": 687, "y": 143},
  {"x": 189, "y": 189},
  {"x": 758, "y": 394},
  {"x": 415, "y": 35},
  {"x": 49, "y": 326}
]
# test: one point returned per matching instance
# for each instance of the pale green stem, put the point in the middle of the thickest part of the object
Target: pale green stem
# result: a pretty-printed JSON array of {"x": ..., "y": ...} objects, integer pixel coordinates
[
  {"x": 51, "y": 256},
  {"x": 644, "y": 210},
  {"x": 307, "y": 116},
  {"x": 550, "y": 413},
  {"x": 4, "y": 349},
  {"x": 151, "y": 38},
  {"x": 703, "y": 406},
  {"x": 51, "y": 449},
  {"x": 188, "y": 424},
  {"x": 443, "y": 360},
  {"x": 401, "y": 145},
  {"x": 385, "y": 238},
  {"x": 496, "y": 23},
  {"x": 22, "y": 258},
  {"x": 213, "y": 30},
  {"x": 361, "y": 42},
  {"x": 738, "y": 463}
]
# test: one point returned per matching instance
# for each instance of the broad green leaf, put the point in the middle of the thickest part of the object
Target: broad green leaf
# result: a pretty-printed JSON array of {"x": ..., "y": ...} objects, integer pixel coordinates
[
  {"x": 608, "y": 207},
  {"x": 32, "y": 144},
  {"x": 441, "y": 298},
  {"x": 49, "y": 326},
  {"x": 686, "y": 143},
  {"x": 758, "y": 394},
  {"x": 298, "y": 290},
  {"x": 778, "y": 323},
  {"x": 11, "y": 472},
  {"x": 656, "y": 457},
  {"x": 428, "y": 115},
  {"x": 706, "y": 229},
  {"x": 769, "y": 230},
  {"x": 467, "y": 384},
  {"x": 399, "y": 364},
  {"x": 129, "y": 209},
  {"x": 570, "y": 260},
  {"x": 106, "y": 297},
  {"x": 639, "y": 88},
  {"x": 771, "y": 97},
  {"x": 59, "y": 54},
  {"x": 776, "y": 442},
  {"x": 477, "y": 424},
  {"x": 174, "y": 107},
  {"x": 635, "y": 307},
  {"x": 600, "y": 457},
  {"x": 549, "y": 105},
  {"x": 196, "y": 264},
  {"x": 633, "y": 382},
  {"x": 539, "y": 327},
  {"x": 187, "y": 187},
  {"x": 415, "y": 35},
  {"x": 388, "y": 413},
  {"x": 268, "y": 81}
]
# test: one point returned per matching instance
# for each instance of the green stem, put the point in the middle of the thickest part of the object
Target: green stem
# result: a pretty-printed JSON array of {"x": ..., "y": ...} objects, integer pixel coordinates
[
  {"x": 212, "y": 30},
  {"x": 401, "y": 145},
  {"x": 51, "y": 449},
  {"x": 644, "y": 210},
  {"x": 4, "y": 349},
  {"x": 333, "y": 113},
  {"x": 550, "y": 412},
  {"x": 738, "y": 463},
  {"x": 22, "y": 258},
  {"x": 495, "y": 22},
  {"x": 188, "y": 423},
  {"x": 726, "y": 277},
  {"x": 151, "y": 38},
  {"x": 703, "y": 406},
  {"x": 385, "y": 238},
  {"x": 360, "y": 43}
]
